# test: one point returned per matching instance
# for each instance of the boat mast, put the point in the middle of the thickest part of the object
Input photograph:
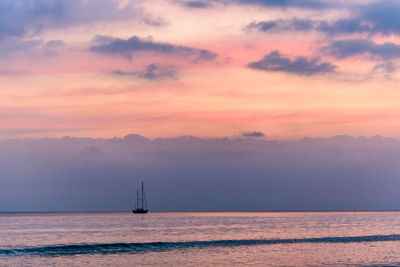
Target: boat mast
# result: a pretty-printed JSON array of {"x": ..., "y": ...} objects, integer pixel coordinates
[
  {"x": 145, "y": 200},
  {"x": 142, "y": 195},
  {"x": 137, "y": 199}
]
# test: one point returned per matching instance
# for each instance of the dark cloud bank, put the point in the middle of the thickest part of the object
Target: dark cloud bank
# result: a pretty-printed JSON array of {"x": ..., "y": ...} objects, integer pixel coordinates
[
  {"x": 378, "y": 17},
  {"x": 312, "y": 4},
  {"x": 306, "y": 4},
  {"x": 27, "y": 17},
  {"x": 356, "y": 47},
  {"x": 189, "y": 173}
]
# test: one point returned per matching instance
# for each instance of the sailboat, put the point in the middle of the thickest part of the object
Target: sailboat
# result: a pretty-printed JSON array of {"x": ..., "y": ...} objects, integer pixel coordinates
[{"x": 141, "y": 203}]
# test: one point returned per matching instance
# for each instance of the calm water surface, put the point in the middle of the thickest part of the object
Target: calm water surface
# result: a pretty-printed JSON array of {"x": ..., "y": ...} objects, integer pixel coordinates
[{"x": 201, "y": 239}]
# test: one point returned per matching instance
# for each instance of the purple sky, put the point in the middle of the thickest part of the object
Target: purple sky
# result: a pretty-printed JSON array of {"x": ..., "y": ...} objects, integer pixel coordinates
[{"x": 189, "y": 173}]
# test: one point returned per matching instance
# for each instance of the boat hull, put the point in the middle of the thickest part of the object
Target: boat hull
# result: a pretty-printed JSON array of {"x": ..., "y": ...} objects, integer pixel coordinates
[{"x": 140, "y": 211}]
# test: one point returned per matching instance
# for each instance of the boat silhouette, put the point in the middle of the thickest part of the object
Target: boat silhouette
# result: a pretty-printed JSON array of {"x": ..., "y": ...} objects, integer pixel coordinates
[{"x": 141, "y": 202}]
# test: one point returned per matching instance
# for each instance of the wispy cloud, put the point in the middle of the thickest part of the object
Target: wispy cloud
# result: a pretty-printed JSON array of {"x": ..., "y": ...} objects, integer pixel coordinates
[
  {"x": 281, "y": 25},
  {"x": 387, "y": 67},
  {"x": 384, "y": 69},
  {"x": 303, "y": 66},
  {"x": 30, "y": 48},
  {"x": 152, "y": 72},
  {"x": 255, "y": 134},
  {"x": 154, "y": 21},
  {"x": 127, "y": 47},
  {"x": 197, "y": 4},
  {"x": 356, "y": 47}
]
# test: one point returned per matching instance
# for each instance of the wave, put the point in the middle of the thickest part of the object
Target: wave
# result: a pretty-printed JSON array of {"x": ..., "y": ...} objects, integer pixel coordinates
[{"x": 116, "y": 248}]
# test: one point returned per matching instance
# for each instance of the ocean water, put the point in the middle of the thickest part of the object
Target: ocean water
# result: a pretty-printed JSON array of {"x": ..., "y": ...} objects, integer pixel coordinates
[{"x": 201, "y": 239}]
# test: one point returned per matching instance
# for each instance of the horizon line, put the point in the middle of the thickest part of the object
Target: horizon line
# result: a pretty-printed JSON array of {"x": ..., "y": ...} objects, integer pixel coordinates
[
  {"x": 231, "y": 137},
  {"x": 205, "y": 211}
]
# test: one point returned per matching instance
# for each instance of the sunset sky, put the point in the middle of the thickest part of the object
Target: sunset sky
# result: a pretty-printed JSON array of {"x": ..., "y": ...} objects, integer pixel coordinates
[
  {"x": 290, "y": 104},
  {"x": 207, "y": 68}
]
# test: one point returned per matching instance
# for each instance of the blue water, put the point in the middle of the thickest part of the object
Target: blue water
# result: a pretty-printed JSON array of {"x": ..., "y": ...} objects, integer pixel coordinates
[{"x": 200, "y": 239}]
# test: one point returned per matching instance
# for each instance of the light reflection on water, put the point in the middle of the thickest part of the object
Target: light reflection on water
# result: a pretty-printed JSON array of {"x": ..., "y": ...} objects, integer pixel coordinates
[{"x": 19, "y": 231}]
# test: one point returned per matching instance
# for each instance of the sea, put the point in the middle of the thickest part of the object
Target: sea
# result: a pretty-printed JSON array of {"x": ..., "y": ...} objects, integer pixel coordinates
[{"x": 200, "y": 239}]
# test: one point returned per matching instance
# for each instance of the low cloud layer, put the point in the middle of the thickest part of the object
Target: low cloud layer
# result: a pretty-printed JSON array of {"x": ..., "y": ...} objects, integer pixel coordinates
[
  {"x": 274, "y": 61},
  {"x": 189, "y": 173},
  {"x": 127, "y": 47}
]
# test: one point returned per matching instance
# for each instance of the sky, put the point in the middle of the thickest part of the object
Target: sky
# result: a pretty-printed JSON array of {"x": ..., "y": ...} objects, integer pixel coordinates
[
  {"x": 207, "y": 68},
  {"x": 195, "y": 174},
  {"x": 215, "y": 104}
]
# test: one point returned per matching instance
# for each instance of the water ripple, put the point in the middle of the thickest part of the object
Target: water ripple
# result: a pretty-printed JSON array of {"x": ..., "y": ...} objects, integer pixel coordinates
[{"x": 117, "y": 248}]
